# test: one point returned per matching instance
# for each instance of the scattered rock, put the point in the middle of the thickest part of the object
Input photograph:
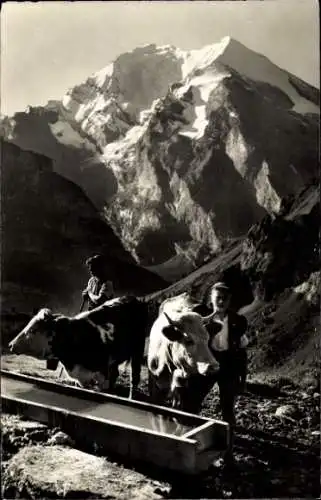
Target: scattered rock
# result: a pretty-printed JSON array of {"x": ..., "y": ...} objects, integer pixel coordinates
[
  {"x": 218, "y": 464},
  {"x": 276, "y": 481},
  {"x": 51, "y": 472},
  {"x": 290, "y": 412},
  {"x": 164, "y": 492},
  {"x": 60, "y": 438},
  {"x": 316, "y": 395},
  {"x": 19, "y": 425},
  {"x": 16, "y": 433}
]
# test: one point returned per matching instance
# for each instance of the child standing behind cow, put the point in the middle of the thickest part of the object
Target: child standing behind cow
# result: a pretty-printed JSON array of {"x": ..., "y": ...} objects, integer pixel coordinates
[
  {"x": 99, "y": 288},
  {"x": 227, "y": 342}
]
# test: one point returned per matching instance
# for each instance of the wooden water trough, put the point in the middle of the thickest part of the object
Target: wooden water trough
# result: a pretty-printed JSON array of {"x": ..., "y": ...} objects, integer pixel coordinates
[{"x": 134, "y": 430}]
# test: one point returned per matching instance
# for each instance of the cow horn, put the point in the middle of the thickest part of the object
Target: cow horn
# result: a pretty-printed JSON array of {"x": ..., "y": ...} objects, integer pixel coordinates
[
  {"x": 170, "y": 321},
  {"x": 175, "y": 325},
  {"x": 206, "y": 319}
]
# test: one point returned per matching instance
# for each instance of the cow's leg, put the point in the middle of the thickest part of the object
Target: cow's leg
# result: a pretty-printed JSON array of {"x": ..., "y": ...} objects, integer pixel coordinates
[
  {"x": 113, "y": 373},
  {"x": 198, "y": 388},
  {"x": 136, "y": 361},
  {"x": 65, "y": 376},
  {"x": 61, "y": 370},
  {"x": 135, "y": 369},
  {"x": 69, "y": 380},
  {"x": 157, "y": 394},
  {"x": 178, "y": 389},
  {"x": 74, "y": 382}
]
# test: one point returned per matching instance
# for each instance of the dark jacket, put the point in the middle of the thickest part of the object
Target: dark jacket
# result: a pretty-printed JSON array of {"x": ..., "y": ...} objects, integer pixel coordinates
[
  {"x": 236, "y": 357},
  {"x": 237, "y": 325}
]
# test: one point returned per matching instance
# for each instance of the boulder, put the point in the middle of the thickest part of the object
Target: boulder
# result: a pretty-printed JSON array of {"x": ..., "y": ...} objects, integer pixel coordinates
[
  {"x": 60, "y": 438},
  {"x": 290, "y": 412},
  {"x": 59, "y": 472}
]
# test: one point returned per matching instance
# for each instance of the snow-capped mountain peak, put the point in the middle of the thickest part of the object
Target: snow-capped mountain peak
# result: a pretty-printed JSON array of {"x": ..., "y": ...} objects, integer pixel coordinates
[
  {"x": 181, "y": 149},
  {"x": 135, "y": 79},
  {"x": 201, "y": 58}
]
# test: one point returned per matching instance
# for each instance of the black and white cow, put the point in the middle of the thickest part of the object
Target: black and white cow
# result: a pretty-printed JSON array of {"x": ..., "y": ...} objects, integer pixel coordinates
[{"x": 92, "y": 344}]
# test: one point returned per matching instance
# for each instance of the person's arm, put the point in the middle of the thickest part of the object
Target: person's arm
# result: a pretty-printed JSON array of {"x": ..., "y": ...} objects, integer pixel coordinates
[
  {"x": 108, "y": 289},
  {"x": 86, "y": 291}
]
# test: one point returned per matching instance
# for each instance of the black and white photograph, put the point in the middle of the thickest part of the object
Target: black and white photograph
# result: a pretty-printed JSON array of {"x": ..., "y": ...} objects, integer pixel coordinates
[{"x": 160, "y": 250}]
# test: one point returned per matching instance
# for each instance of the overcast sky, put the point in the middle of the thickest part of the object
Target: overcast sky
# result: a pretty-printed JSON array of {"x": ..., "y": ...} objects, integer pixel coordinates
[{"x": 47, "y": 47}]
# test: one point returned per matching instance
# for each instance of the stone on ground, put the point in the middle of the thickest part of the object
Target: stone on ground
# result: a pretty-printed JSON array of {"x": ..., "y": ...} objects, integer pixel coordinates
[
  {"x": 60, "y": 438},
  {"x": 59, "y": 472},
  {"x": 288, "y": 411},
  {"x": 17, "y": 432}
]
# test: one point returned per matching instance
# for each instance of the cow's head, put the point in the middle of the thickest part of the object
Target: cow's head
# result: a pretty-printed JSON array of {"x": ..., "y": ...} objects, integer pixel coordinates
[
  {"x": 36, "y": 338},
  {"x": 189, "y": 350}
]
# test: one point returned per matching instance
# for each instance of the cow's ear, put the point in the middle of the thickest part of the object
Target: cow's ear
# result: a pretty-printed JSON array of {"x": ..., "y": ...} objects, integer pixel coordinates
[{"x": 172, "y": 333}]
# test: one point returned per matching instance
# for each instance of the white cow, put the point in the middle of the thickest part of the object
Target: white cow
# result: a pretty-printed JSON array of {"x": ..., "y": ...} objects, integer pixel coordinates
[{"x": 178, "y": 351}]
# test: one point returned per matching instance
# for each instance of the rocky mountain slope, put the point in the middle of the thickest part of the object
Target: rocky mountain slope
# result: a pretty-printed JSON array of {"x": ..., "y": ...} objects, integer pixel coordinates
[
  {"x": 49, "y": 131},
  {"x": 180, "y": 150},
  {"x": 274, "y": 273},
  {"x": 49, "y": 228}
]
